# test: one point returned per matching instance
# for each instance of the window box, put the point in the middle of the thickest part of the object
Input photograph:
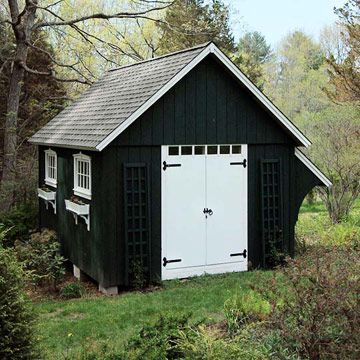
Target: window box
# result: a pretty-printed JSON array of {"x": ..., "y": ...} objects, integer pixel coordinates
[
  {"x": 46, "y": 194},
  {"x": 78, "y": 208},
  {"x": 49, "y": 196}
]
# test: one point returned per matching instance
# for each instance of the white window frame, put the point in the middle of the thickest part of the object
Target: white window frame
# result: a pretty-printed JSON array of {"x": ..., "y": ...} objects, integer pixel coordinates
[
  {"x": 79, "y": 190},
  {"x": 49, "y": 180}
]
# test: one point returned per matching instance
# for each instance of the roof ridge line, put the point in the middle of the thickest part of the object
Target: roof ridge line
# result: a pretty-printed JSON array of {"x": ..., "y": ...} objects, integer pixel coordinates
[{"x": 204, "y": 45}]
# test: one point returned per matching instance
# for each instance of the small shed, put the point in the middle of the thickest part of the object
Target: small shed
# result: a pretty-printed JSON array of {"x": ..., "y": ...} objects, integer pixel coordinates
[{"x": 172, "y": 167}]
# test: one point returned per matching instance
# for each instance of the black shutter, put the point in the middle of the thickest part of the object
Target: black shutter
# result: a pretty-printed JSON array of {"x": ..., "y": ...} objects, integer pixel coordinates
[
  {"x": 137, "y": 222},
  {"x": 272, "y": 211}
]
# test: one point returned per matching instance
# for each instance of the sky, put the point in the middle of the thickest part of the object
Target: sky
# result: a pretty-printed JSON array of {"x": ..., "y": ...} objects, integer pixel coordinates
[{"x": 276, "y": 18}]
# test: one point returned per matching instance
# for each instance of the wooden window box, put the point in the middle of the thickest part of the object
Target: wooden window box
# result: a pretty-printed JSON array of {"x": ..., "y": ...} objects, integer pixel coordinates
[
  {"x": 78, "y": 208},
  {"x": 49, "y": 196}
]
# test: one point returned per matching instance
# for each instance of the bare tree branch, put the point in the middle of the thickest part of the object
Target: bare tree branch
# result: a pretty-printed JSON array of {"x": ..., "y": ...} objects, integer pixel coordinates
[
  {"x": 102, "y": 16},
  {"x": 50, "y": 73},
  {"x": 54, "y": 4},
  {"x": 70, "y": 66}
]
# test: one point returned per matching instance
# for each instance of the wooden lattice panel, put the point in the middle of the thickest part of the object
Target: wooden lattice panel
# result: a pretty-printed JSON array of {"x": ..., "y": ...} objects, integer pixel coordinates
[
  {"x": 272, "y": 224},
  {"x": 137, "y": 221}
]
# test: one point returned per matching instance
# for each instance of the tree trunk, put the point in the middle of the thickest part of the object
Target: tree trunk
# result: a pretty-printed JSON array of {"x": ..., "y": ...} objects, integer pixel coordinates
[
  {"x": 22, "y": 27},
  {"x": 10, "y": 131}
]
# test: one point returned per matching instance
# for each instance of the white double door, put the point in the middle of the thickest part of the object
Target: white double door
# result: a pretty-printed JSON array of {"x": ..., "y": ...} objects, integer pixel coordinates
[{"x": 204, "y": 210}]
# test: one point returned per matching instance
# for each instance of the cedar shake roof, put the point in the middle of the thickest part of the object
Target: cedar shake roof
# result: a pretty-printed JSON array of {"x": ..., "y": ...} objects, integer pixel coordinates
[{"x": 110, "y": 101}]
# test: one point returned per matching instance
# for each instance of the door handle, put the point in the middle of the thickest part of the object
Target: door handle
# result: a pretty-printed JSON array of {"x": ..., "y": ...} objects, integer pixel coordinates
[{"x": 208, "y": 211}]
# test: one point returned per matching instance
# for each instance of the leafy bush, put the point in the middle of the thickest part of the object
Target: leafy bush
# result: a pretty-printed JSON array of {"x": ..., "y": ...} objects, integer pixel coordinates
[
  {"x": 317, "y": 229},
  {"x": 19, "y": 220},
  {"x": 42, "y": 259},
  {"x": 318, "y": 316},
  {"x": 159, "y": 341},
  {"x": 243, "y": 309},
  {"x": 138, "y": 278},
  {"x": 16, "y": 319},
  {"x": 201, "y": 343},
  {"x": 72, "y": 291}
]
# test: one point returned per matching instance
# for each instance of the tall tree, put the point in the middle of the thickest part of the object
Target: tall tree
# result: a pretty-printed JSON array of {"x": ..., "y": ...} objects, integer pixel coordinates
[
  {"x": 296, "y": 76},
  {"x": 345, "y": 71},
  {"x": 41, "y": 99},
  {"x": 195, "y": 22},
  {"x": 36, "y": 15},
  {"x": 336, "y": 150},
  {"x": 252, "y": 53}
]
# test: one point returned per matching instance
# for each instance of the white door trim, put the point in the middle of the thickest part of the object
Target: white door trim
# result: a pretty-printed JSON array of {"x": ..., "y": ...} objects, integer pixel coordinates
[{"x": 239, "y": 264}]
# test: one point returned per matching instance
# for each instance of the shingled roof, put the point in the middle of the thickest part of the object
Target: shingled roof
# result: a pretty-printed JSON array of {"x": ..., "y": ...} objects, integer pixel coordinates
[
  {"x": 110, "y": 101},
  {"x": 111, "y": 104}
]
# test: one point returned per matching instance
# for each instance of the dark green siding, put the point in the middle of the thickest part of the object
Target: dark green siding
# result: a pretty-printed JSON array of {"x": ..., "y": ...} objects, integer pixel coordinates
[
  {"x": 86, "y": 249},
  {"x": 207, "y": 107}
]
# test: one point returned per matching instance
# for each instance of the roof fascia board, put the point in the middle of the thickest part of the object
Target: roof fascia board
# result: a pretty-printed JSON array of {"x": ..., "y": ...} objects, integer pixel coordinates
[
  {"x": 211, "y": 48},
  {"x": 310, "y": 165},
  {"x": 186, "y": 69},
  {"x": 75, "y": 147}
]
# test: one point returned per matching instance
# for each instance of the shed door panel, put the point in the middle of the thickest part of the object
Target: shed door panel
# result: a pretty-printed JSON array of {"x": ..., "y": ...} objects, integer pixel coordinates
[
  {"x": 226, "y": 189},
  {"x": 204, "y": 209},
  {"x": 183, "y": 204}
]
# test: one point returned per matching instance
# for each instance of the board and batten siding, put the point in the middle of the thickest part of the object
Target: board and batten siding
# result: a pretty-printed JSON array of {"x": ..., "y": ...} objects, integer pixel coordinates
[
  {"x": 206, "y": 107},
  {"x": 86, "y": 249}
]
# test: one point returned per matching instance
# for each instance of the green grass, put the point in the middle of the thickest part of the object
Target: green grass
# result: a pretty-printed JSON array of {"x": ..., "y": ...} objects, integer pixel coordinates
[
  {"x": 66, "y": 327},
  {"x": 314, "y": 226}
]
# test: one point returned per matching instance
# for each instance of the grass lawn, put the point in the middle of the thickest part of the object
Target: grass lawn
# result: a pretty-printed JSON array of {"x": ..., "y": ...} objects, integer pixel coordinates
[{"x": 67, "y": 326}]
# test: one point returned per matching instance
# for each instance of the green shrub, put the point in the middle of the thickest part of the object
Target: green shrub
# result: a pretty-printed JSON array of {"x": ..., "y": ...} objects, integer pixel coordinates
[
  {"x": 72, "y": 291},
  {"x": 317, "y": 229},
  {"x": 138, "y": 278},
  {"x": 318, "y": 316},
  {"x": 201, "y": 343},
  {"x": 243, "y": 309},
  {"x": 19, "y": 220},
  {"x": 16, "y": 319},
  {"x": 159, "y": 340},
  {"x": 42, "y": 259}
]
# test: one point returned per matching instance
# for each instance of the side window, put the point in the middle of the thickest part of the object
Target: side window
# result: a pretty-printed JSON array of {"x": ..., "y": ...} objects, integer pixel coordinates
[
  {"x": 82, "y": 175},
  {"x": 50, "y": 167}
]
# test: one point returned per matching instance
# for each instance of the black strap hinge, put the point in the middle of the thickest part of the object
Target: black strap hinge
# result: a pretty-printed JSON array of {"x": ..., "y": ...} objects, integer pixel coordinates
[
  {"x": 166, "y": 261},
  {"x": 165, "y": 165},
  {"x": 244, "y": 254},
  {"x": 243, "y": 163}
]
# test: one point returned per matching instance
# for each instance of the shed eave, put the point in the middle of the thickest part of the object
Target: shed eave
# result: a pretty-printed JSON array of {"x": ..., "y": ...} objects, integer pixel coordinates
[
  {"x": 65, "y": 146},
  {"x": 313, "y": 168}
]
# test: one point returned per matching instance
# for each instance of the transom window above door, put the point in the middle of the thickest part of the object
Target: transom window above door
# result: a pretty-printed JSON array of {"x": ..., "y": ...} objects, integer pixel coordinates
[{"x": 196, "y": 150}]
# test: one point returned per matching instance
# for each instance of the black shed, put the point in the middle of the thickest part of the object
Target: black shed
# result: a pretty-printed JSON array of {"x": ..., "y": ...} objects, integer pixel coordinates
[{"x": 172, "y": 167}]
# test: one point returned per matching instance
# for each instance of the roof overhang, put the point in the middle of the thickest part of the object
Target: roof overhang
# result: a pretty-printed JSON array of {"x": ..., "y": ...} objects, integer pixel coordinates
[
  {"x": 312, "y": 167},
  {"x": 210, "y": 49}
]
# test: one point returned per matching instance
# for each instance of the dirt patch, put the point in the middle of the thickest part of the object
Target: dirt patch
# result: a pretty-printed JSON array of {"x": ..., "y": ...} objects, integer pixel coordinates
[
  {"x": 76, "y": 316},
  {"x": 53, "y": 314},
  {"x": 219, "y": 328}
]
